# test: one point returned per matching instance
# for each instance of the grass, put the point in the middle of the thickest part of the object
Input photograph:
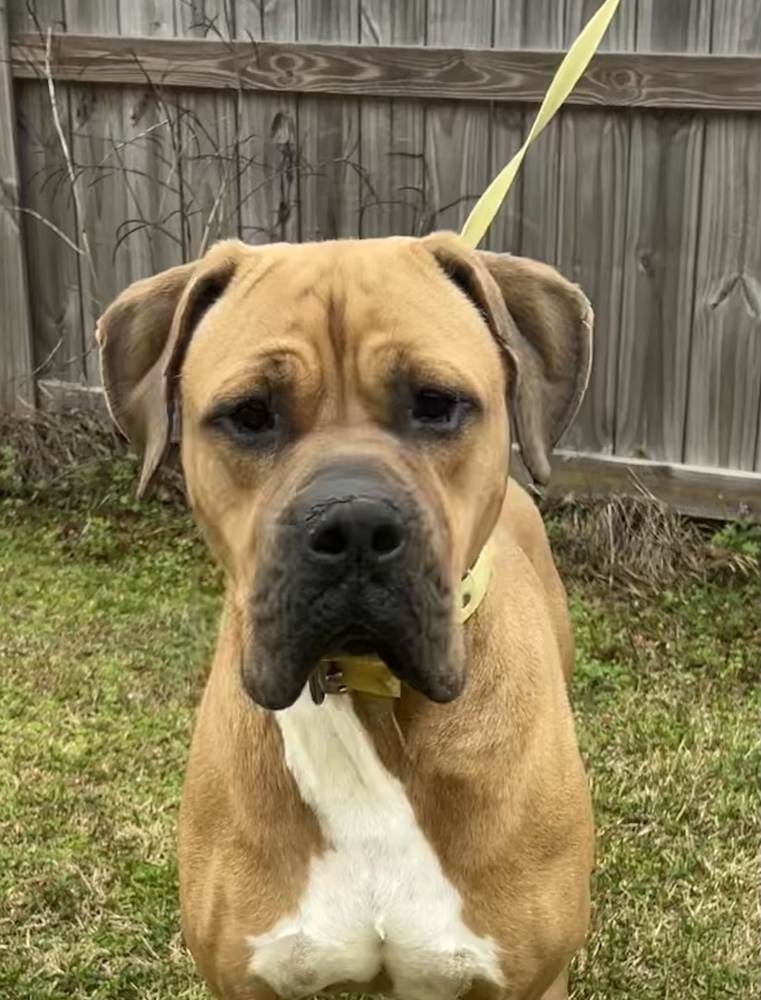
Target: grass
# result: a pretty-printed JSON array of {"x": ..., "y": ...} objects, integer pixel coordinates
[{"x": 106, "y": 624}]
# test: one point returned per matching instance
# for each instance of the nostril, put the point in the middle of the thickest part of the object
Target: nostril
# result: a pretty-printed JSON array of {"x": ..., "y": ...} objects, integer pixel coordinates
[
  {"x": 386, "y": 539},
  {"x": 329, "y": 540},
  {"x": 353, "y": 530}
]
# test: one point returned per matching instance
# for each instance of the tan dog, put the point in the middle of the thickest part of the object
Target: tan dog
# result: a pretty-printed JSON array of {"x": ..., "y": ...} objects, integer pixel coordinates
[{"x": 345, "y": 442}]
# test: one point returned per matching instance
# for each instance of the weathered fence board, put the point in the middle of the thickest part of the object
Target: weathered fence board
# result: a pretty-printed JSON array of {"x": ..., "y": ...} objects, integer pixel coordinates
[
  {"x": 152, "y": 135},
  {"x": 209, "y": 131},
  {"x": 725, "y": 368},
  {"x": 101, "y": 191},
  {"x": 661, "y": 224},
  {"x": 183, "y": 121},
  {"x": 541, "y": 26},
  {"x": 16, "y": 378},
  {"x": 392, "y": 133},
  {"x": 122, "y": 139},
  {"x": 50, "y": 224},
  {"x": 268, "y": 152},
  {"x": 725, "y": 364},
  {"x": 697, "y": 490},
  {"x": 593, "y": 181},
  {"x": 456, "y": 135},
  {"x": 639, "y": 80},
  {"x": 51, "y": 236},
  {"x": 329, "y": 130},
  {"x": 508, "y": 131}
]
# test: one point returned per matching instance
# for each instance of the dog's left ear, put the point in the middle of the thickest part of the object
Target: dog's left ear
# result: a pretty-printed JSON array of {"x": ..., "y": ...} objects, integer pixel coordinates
[
  {"x": 543, "y": 324},
  {"x": 143, "y": 337}
]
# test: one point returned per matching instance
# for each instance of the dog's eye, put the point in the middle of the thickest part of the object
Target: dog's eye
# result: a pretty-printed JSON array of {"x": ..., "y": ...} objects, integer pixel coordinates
[
  {"x": 251, "y": 421},
  {"x": 253, "y": 417},
  {"x": 436, "y": 408}
]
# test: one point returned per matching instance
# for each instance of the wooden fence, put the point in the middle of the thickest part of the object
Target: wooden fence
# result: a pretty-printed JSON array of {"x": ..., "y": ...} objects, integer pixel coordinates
[{"x": 135, "y": 132}]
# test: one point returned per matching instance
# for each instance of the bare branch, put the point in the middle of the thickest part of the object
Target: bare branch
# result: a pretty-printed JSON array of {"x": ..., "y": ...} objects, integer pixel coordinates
[
  {"x": 86, "y": 252},
  {"x": 52, "y": 226}
]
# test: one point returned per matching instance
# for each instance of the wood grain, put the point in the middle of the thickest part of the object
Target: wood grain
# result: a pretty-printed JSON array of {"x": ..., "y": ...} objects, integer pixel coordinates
[
  {"x": 34, "y": 16},
  {"x": 392, "y": 132},
  {"x": 268, "y": 150},
  {"x": 742, "y": 34},
  {"x": 641, "y": 80},
  {"x": 202, "y": 18},
  {"x": 594, "y": 174},
  {"x": 536, "y": 25},
  {"x": 508, "y": 131},
  {"x": 127, "y": 176},
  {"x": 661, "y": 214},
  {"x": 104, "y": 182},
  {"x": 151, "y": 134},
  {"x": 53, "y": 267},
  {"x": 736, "y": 26},
  {"x": 330, "y": 177},
  {"x": 52, "y": 259},
  {"x": 16, "y": 380},
  {"x": 208, "y": 132},
  {"x": 725, "y": 364},
  {"x": 456, "y": 137}
]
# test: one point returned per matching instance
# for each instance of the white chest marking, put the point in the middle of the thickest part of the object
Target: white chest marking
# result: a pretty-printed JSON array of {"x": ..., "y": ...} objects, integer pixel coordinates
[{"x": 377, "y": 898}]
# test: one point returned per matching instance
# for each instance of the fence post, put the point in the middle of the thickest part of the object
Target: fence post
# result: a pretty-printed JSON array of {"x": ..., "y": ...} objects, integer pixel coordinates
[{"x": 16, "y": 373}]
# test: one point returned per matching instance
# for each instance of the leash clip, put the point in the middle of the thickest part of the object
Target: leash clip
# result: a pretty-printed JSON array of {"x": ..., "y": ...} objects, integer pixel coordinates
[{"x": 326, "y": 679}]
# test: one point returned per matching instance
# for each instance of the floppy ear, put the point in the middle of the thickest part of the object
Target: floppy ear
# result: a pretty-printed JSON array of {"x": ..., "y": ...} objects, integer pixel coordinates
[
  {"x": 543, "y": 324},
  {"x": 143, "y": 337}
]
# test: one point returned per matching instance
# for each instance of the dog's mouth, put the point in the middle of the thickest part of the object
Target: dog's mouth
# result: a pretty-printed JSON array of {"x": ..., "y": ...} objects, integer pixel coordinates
[
  {"x": 372, "y": 623},
  {"x": 356, "y": 642},
  {"x": 409, "y": 629}
]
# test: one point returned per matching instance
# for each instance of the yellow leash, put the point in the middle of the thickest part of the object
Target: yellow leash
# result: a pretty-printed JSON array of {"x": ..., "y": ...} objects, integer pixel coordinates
[{"x": 569, "y": 72}]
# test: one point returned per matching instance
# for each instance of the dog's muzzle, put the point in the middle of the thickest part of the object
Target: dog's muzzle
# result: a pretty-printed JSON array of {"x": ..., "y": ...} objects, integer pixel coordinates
[{"x": 352, "y": 569}]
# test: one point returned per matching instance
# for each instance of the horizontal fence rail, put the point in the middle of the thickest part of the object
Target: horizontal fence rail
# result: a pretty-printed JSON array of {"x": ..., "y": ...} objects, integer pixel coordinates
[{"x": 638, "y": 80}]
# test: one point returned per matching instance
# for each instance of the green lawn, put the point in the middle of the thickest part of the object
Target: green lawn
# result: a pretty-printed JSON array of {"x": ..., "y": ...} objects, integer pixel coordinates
[{"x": 106, "y": 625}]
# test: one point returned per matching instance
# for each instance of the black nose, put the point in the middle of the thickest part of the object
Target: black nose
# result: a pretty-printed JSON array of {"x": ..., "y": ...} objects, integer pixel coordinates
[
  {"x": 358, "y": 528},
  {"x": 352, "y": 519}
]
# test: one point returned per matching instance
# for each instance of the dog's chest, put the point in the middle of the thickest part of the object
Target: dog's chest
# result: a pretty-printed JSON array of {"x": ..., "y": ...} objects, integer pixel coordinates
[{"x": 377, "y": 899}]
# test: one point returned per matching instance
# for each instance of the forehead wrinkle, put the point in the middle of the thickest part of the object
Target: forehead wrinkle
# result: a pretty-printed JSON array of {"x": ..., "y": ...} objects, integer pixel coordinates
[
  {"x": 254, "y": 274},
  {"x": 237, "y": 373},
  {"x": 407, "y": 344},
  {"x": 320, "y": 315},
  {"x": 355, "y": 321}
]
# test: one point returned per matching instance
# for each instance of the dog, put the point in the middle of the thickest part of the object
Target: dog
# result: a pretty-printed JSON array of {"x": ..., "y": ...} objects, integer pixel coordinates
[{"x": 379, "y": 798}]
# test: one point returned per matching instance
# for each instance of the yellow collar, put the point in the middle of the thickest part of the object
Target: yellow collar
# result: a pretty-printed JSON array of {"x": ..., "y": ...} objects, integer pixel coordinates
[{"x": 370, "y": 675}]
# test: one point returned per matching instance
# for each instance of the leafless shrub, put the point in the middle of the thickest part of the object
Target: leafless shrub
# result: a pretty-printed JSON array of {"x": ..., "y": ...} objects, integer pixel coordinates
[{"x": 640, "y": 543}]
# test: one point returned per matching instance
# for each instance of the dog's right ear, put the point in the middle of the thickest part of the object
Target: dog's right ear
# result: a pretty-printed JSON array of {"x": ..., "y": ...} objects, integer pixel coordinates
[{"x": 143, "y": 337}]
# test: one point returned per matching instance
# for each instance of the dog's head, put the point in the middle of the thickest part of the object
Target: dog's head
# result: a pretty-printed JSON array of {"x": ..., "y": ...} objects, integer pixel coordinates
[{"x": 345, "y": 432}]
